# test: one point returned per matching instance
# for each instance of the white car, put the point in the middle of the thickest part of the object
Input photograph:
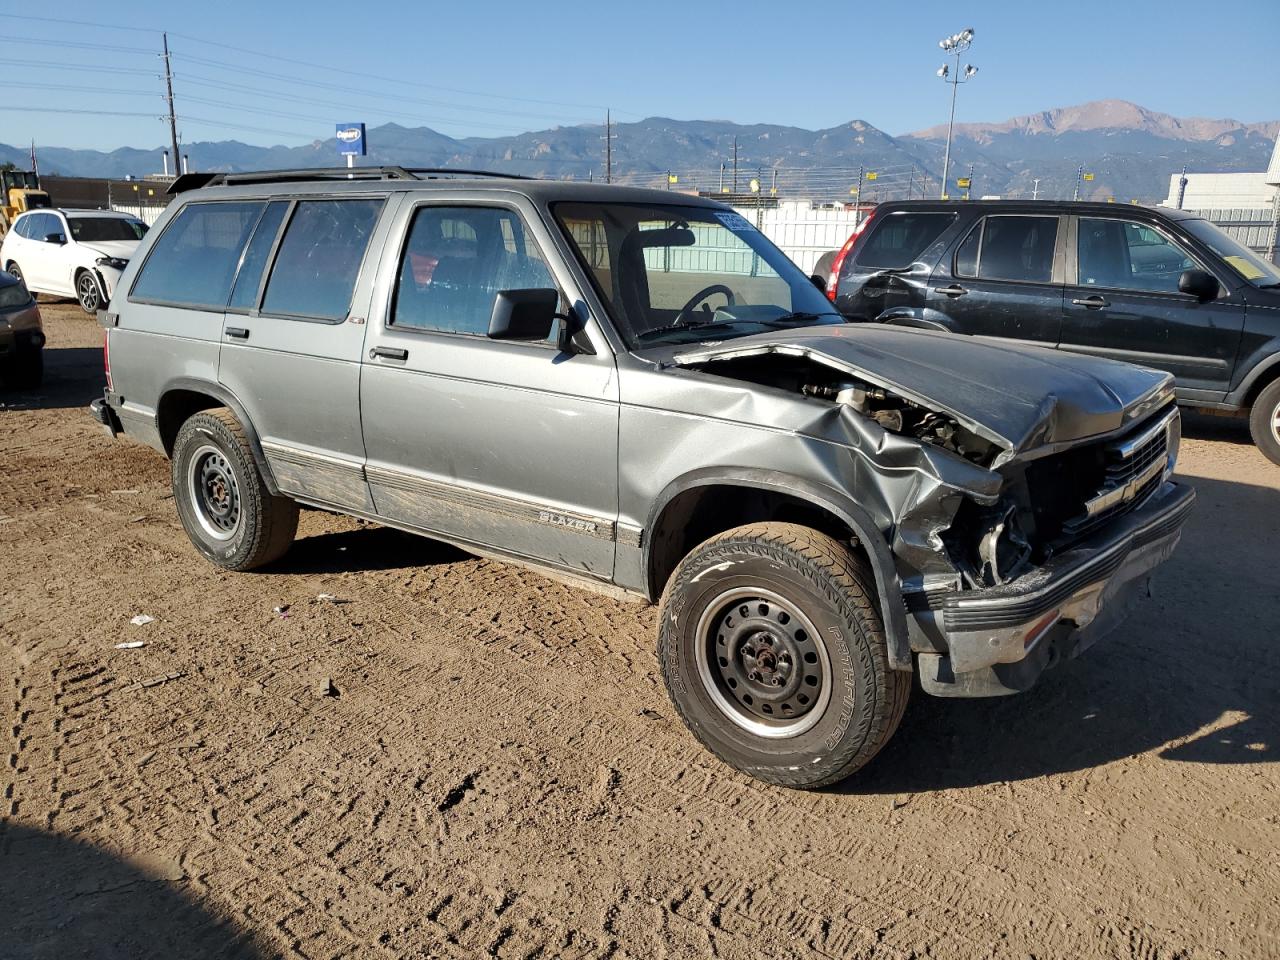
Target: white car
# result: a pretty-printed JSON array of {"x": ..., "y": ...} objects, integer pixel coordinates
[{"x": 72, "y": 253}]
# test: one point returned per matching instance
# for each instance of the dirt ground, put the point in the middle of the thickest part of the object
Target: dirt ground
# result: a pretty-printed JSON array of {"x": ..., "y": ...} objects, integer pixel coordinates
[{"x": 500, "y": 774}]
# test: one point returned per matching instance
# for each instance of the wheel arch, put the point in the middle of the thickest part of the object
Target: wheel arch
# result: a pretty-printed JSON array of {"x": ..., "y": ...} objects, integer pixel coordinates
[
  {"x": 182, "y": 397},
  {"x": 669, "y": 537},
  {"x": 1260, "y": 376}
]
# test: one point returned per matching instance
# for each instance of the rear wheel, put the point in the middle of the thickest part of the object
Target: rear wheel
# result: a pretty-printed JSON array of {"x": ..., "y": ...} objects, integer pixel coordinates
[
  {"x": 1264, "y": 422},
  {"x": 15, "y": 271},
  {"x": 223, "y": 502},
  {"x": 87, "y": 292},
  {"x": 773, "y": 651}
]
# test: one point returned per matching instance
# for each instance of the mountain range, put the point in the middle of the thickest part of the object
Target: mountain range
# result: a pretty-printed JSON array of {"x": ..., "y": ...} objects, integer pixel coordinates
[{"x": 1131, "y": 151}]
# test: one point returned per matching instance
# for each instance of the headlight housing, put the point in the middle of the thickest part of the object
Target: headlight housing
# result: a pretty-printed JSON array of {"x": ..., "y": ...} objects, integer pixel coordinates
[
  {"x": 15, "y": 295},
  {"x": 118, "y": 263}
]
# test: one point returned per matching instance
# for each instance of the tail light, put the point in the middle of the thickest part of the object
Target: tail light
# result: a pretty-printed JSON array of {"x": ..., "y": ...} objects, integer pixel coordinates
[
  {"x": 833, "y": 281},
  {"x": 106, "y": 356}
]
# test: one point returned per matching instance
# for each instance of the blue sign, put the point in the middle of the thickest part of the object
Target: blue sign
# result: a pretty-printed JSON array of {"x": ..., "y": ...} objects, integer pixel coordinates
[{"x": 351, "y": 142}]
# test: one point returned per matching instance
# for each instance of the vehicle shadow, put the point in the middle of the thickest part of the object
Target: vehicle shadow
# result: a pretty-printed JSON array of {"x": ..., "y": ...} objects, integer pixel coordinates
[
  {"x": 73, "y": 376},
  {"x": 1193, "y": 674},
  {"x": 60, "y": 897},
  {"x": 1203, "y": 426},
  {"x": 371, "y": 547}
]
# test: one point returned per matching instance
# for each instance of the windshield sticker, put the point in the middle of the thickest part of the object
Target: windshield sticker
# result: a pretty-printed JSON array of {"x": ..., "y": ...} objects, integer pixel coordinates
[
  {"x": 734, "y": 221},
  {"x": 1245, "y": 268}
]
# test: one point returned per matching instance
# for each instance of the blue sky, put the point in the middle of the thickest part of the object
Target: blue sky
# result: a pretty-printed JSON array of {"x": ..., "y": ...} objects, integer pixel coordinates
[{"x": 477, "y": 69}]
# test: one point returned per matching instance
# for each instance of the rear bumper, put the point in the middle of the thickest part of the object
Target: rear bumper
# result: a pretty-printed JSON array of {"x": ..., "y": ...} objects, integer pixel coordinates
[
  {"x": 104, "y": 413},
  {"x": 999, "y": 640},
  {"x": 20, "y": 330}
]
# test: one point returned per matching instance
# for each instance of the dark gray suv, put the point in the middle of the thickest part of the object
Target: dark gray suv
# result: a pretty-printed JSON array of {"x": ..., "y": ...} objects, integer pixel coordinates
[{"x": 636, "y": 391}]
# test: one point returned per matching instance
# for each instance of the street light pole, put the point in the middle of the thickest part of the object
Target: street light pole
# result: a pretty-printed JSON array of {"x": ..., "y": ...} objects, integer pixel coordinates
[{"x": 956, "y": 45}]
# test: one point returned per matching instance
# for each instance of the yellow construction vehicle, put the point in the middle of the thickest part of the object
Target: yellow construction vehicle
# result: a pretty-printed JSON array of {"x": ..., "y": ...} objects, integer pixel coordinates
[{"x": 19, "y": 191}]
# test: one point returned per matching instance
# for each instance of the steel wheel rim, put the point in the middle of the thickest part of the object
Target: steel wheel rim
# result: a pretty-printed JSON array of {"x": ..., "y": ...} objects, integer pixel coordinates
[
  {"x": 88, "y": 289},
  {"x": 1275, "y": 423},
  {"x": 215, "y": 494},
  {"x": 766, "y": 669}
]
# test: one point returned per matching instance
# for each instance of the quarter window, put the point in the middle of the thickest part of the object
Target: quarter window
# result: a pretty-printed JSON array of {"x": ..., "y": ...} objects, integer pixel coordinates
[
  {"x": 193, "y": 261},
  {"x": 315, "y": 271},
  {"x": 455, "y": 262},
  {"x": 1009, "y": 248},
  {"x": 1129, "y": 256},
  {"x": 900, "y": 238}
]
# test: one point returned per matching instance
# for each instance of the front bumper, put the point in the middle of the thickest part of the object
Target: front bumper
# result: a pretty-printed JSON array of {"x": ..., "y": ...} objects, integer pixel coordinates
[{"x": 1000, "y": 639}]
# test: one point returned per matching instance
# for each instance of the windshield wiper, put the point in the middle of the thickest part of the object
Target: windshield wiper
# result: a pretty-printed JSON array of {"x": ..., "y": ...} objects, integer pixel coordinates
[
  {"x": 800, "y": 317},
  {"x": 675, "y": 327}
]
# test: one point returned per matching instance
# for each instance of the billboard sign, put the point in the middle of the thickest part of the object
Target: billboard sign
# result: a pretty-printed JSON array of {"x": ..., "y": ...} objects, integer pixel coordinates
[{"x": 351, "y": 141}]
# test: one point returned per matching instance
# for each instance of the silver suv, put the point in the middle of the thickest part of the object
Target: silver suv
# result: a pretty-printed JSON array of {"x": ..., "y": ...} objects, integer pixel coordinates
[{"x": 636, "y": 391}]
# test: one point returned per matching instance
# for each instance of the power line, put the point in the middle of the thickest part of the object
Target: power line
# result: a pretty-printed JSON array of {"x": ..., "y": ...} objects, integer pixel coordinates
[{"x": 79, "y": 44}]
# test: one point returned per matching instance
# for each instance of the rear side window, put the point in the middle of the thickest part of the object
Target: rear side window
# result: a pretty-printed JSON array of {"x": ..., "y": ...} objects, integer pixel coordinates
[
  {"x": 249, "y": 278},
  {"x": 900, "y": 238},
  {"x": 1009, "y": 248},
  {"x": 193, "y": 262},
  {"x": 23, "y": 228},
  {"x": 315, "y": 271}
]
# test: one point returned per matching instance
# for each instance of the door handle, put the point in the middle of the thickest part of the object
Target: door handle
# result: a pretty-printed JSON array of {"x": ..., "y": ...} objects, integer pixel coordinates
[
  {"x": 390, "y": 353},
  {"x": 1094, "y": 302},
  {"x": 240, "y": 333},
  {"x": 953, "y": 291}
]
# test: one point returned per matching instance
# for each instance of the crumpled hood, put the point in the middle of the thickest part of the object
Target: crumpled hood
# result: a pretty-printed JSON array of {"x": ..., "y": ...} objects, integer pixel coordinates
[
  {"x": 1019, "y": 397},
  {"x": 113, "y": 248}
]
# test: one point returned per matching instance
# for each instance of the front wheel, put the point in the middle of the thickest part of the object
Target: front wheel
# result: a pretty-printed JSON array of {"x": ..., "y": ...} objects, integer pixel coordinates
[
  {"x": 773, "y": 651},
  {"x": 226, "y": 507},
  {"x": 1264, "y": 422},
  {"x": 87, "y": 293}
]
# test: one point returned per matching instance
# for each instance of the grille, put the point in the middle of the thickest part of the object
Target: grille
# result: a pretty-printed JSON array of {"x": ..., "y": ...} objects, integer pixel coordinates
[{"x": 1133, "y": 468}]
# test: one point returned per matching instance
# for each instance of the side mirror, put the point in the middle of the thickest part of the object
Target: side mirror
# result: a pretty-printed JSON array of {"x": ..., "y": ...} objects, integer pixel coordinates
[
  {"x": 1200, "y": 284},
  {"x": 819, "y": 281},
  {"x": 523, "y": 314},
  {"x": 55, "y": 238}
]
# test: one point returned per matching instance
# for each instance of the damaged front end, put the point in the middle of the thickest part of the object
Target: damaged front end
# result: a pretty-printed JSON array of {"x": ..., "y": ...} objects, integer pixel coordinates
[{"x": 1006, "y": 515}]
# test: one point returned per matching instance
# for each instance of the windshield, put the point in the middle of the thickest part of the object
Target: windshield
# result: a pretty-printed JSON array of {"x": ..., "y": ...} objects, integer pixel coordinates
[
  {"x": 1237, "y": 256},
  {"x": 678, "y": 274},
  {"x": 100, "y": 229}
]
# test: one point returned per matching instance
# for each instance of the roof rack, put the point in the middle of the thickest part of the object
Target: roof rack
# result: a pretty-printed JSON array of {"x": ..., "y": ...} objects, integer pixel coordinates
[{"x": 193, "y": 181}]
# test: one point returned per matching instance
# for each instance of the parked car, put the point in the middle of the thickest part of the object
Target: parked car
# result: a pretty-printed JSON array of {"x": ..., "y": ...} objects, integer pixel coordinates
[
  {"x": 72, "y": 253},
  {"x": 1158, "y": 287},
  {"x": 21, "y": 335},
  {"x": 639, "y": 393}
]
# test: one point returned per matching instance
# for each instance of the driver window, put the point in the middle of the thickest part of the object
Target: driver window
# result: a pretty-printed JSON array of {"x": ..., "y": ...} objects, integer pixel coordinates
[
  {"x": 1125, "y": 255},
  {"x": 456, "y": 260}
]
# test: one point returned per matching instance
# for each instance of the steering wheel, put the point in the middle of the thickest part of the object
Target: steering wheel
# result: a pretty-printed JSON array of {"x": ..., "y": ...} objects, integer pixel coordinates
[{"x": 700, "y": 296}]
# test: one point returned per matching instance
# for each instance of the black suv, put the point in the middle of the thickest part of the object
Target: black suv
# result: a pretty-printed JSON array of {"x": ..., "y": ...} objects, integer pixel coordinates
[{"x": 1156, "y": 287}]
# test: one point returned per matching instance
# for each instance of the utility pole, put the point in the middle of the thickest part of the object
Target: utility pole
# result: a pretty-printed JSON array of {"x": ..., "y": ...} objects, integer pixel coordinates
[
  {"x": 911, "y": 182},
  {"x": 1079, "y": 179},
  {"x": 173, "y": 120},
  {"x": 608, "y": 146},
  {"x": 735, "y": 165},
  {"x": 969, "y": 190},
  {"x": 721, "y": 176},
  {"x": 1035, "y": 188}
]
